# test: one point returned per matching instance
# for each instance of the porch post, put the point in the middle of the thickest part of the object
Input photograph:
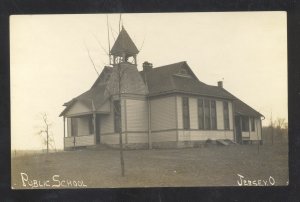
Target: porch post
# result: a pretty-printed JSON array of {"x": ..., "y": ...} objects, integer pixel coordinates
[
  {"x": 94, "y": 125},
  {"x": 241, "y": 126}
]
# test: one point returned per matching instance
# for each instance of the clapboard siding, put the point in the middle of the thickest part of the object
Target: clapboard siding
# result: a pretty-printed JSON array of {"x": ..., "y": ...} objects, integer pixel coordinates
[
  {"x": 164, "y": 136},
  {"x": 137, "y": 115},
  {"x": 77, "y": 108},
  {"x": 105, "y": 107},
  {"x": 107, "y": 120},
  {"x": 193, "y": 110},
  {"x": 220, "y": 115},
  {"x": 112, "y": 138},
  {"x": 80, "y": 141},
  {"x": 69, "y": 127},
  {"x": 163, "y": 113},
  {"x": 136, "y": 138},
  {"x": 204, "y": 135}
]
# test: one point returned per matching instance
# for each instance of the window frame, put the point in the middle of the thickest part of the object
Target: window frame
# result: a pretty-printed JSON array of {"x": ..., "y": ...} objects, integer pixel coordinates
[
  {"x": 185, "y": 113},
  {"x": 202, "y": 119},
  {"x": 226, "y": 115},
  {"x": 213, "y": 115}
]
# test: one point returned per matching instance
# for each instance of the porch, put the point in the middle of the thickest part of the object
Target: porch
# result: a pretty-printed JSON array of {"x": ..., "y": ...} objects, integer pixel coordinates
[
  {"x": 247, "y": 129},
  {"x": 80, "y": 131}
]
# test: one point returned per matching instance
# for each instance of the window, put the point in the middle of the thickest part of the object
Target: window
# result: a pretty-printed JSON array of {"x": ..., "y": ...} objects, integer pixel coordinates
[
  {"x": 206, "y": 115},
  {"x": 213, "y": 114},
  {"x": 245, "y": 124},
  {"x": 74, "y": 127},
  {"x": 226, "y": 115},
  {"x": 200, "y": 114},
  {"x": 252, "y": 124},
  {"x": 117, "y": 115},
  {"x": 185, "y": 113},
  {"x": 91, "y": 125}
]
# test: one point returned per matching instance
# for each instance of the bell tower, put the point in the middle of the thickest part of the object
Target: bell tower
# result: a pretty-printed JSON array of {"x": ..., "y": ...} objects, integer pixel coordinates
[{"x": 123, "y": 50}]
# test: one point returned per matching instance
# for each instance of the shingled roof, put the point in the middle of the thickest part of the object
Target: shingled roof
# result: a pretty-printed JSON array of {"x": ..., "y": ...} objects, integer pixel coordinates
[
  {"x": 167, "y": 79},
  {"x": 124, "y": 44},
  {"x": 92, "y": 99}
]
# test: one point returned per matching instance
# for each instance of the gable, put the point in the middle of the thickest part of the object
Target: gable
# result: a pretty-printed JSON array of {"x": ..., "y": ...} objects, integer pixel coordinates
[{"x": 76, "y": 109}]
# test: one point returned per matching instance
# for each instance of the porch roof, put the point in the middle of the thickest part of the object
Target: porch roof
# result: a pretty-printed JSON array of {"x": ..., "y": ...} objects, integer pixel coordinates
[
  {"x": 242, "y": 108},
  {"x": 92, "y": 99}
]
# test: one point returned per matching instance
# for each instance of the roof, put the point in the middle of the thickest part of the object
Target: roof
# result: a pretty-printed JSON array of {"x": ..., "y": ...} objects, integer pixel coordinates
[
  {"x": 92, "y": 99},
  {"x": 242, "y": 108},
  {"x": 124, "y": 44},
  {"x": 167, "y": 79}
]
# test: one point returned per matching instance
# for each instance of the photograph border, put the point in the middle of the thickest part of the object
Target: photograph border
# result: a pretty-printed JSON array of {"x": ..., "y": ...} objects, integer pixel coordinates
[{"x": 289, "y": 192}]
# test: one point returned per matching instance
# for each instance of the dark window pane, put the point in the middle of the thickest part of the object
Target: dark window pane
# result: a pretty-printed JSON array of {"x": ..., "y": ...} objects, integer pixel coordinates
[
  {"x": 226, "y": 115},
  {"x": 185, "y": 113},
  {"x": 206, "y": 114},
  {"x": 213, "y": 115},
  {"x": 200, "y": 114}
]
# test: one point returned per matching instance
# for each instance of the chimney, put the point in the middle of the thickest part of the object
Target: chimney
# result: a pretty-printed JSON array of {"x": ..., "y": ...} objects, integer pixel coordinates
[
  {"x": 147, "y": 66},
  {"x": 220, "y": 84}
]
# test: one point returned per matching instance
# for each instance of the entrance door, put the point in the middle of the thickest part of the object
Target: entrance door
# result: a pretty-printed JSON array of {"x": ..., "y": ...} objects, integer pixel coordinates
[
  {"x": 97, "y": 130},
  {"x": 238, "y": 130}
]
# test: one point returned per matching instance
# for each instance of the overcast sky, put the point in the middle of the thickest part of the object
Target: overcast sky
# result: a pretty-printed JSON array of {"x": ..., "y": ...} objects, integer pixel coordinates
[{"x": 50, "y": 64}]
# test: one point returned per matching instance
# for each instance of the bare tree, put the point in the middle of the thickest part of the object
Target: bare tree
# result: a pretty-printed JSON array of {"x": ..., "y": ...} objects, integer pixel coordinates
[
  {"x": 46, "y": 134},
  {"x": 281, "y": 126}
]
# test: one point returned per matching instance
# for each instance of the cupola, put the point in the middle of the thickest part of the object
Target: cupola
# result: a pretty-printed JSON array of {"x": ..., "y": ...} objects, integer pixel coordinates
[{"x": 123, "y": 50}]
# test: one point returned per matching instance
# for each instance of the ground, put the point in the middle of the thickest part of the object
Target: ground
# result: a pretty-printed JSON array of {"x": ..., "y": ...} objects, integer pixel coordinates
[{"x": 206, "y": 166}]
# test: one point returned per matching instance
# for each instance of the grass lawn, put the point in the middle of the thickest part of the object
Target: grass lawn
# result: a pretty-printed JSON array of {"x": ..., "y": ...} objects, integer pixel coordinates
[{"x": 206, "y": 166}]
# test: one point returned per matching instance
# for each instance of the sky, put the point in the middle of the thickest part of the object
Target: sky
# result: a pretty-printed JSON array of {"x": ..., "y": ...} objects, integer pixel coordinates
[{"x": 50, "y": 65}]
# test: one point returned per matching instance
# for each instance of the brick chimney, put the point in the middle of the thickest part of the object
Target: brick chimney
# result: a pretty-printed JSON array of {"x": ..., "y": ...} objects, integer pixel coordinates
[
  {"x": 220, "y": 84},
  {"x": 147, "y": 66}
]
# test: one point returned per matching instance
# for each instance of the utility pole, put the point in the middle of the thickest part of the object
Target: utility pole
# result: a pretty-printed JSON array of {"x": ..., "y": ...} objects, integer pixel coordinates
[
  {"x": 272, "y": 130},
  {"x": 47, "y": 132},
  {"x": 120, "y": 124}
]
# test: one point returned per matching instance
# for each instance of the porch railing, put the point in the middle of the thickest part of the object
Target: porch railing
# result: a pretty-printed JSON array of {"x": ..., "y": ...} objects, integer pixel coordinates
[{"x": 78, "y": 141}]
